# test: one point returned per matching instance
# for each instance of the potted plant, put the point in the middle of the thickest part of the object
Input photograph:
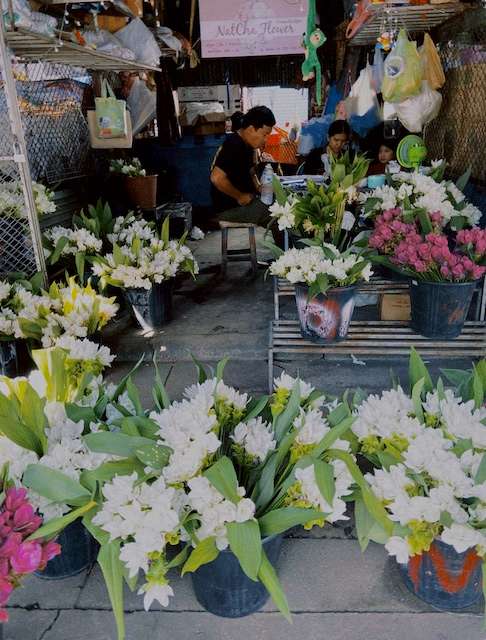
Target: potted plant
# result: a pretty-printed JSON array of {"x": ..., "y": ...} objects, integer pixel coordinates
[
  {"x": 443, "y": 279},
  {"x": 144, "y": 264},
  {"x": 220, "y": 476},
  {"x": 325, "y": 287},
  {"x": 141, "y": 189},
  {"x": 427, "y": 449}
]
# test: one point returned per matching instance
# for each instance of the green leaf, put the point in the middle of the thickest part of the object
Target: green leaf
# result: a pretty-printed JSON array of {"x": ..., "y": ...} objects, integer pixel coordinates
[
  {"x": 202, "y": 374},
  {"x": 116, "y": 444},
  {"x": 279, "y": 191},
  {"x": 424, "y": 220},
  {"x": 80, "y": 260},
  {"x": 55, "y": 485},
  {"x": 180, "y": 558},
  {"x": 129, "y": 427},
  {"x": 265, "y": 487},
  {"x": 331, "y": 436},
  {"x": 418, "y": 370},
  {"x": 324, "y": 474},
  {"x": 481, "y": 472},
  {"x": 134, "y": 396},
  {"x": 58, "y": 249},
  {"x": 56, "y": 525},
  {"x": 32, "y": 411},
  {"x": 222, "y": 476},
  {"x": 255, "y": 408},
  {"x": 478, "y": 389},
  {"x": 337, "y": 415},
  {"x": 112, "y": 568},
  {"x": 165, "y": 230},
  {"x": 14, "y": 430},
  {"x": 220, "y": 368},
  {"x": 204, "y": 553},
  {"x": 284, "y": 421},
  {"x": 269, "y": 579},
  {"x": 246, "y": 543},
  {"x": 76, "y": 413},
  {"x": 108, "y": 470},
  {"x": 417, "y": 399},
  {"x": 159, "y": 392},
  {"x": 464, "y": 179},
  {"x": 153, "y": 455},
  {"x": 281, "y": 520},
  {"x": 364, "y": 522}
]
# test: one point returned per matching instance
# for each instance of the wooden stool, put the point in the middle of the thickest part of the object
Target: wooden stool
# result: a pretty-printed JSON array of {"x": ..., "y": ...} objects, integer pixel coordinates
[{"x": 238, "y": 255}]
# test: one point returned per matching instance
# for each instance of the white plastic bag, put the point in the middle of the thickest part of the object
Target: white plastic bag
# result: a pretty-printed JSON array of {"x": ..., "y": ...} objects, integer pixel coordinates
[
  {"x": 419, "y": 110},
  {"x": 378, "y": 69},
  {"x": 137, "y": 37},
  {"x": 141, "y": 103},
  {"x": 107, "y": 43},
  {"x": 362, "y": 96}
]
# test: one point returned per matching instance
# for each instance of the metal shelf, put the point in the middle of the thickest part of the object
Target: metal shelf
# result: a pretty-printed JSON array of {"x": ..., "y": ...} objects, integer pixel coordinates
[
  {"x": 414, "y": 18},
  {"x": 114, "y": 7},
  {"x": 28, "y": 45}
]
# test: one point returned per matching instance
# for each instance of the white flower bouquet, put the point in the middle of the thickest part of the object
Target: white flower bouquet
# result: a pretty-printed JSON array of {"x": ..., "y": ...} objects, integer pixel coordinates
[
  {"x": 415, "y": 192},
  {"x": 216, "y": 470},
  {"x": 428, "y": 449},
  {"x": 71, "y": 245},
  {"x": 321, "y": 267},
  {"x": 131, "y": 168},
  {"x": 12, "y": 200},
  {"x": 141, "y": 257}
]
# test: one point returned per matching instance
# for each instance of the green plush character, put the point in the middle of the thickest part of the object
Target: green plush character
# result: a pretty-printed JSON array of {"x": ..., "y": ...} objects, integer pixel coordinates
[{"x": 313, "y": 39}]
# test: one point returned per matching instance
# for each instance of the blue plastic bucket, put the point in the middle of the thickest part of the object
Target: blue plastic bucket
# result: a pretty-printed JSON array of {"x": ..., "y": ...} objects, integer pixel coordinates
[
  {"x": 222, "y": 588},
  {"x": 152, "y": 308},
  {"x": 444, "y": 578}
]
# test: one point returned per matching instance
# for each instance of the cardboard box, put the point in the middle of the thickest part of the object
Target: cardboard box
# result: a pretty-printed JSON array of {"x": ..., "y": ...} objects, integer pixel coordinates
[{"x": 395, "y": 306}]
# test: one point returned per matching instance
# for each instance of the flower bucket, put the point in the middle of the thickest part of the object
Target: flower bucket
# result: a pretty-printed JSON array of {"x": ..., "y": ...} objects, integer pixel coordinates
[
  {"x": 325, "y": 317},
  {"x": 151, "y": 308},
  {"x": 439, "y": 309},
  {"x": 8, "y": 358},
  {"x": 444, "y": 578},
  {"x": 79, "y": 550},
  {"x": 142, "y": 191},
  {"x": 222, "y": 588}
]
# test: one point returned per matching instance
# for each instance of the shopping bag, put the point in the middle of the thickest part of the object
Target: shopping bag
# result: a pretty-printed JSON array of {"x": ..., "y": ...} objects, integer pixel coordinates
[
  {"x": 403, "y": 71},
  {"x": 431, "y": 64},
  {"x": 109, "y": 143},
  {"x": 362, "y": 97},
  {"x": 417, "y": 111},
  {"x": 111, "y": 118}
]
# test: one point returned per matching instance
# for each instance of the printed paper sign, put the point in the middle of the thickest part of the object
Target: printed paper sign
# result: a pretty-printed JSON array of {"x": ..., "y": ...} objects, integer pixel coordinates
[{"x": 234, "y": 28}]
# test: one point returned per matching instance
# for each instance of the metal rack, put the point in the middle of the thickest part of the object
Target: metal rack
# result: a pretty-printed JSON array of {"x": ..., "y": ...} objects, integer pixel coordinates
[{"x": 414, "y": 18}]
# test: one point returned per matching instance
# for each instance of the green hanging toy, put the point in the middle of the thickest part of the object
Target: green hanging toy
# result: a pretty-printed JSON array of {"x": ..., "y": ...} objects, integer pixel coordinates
[{"x": 313, "y": 39}]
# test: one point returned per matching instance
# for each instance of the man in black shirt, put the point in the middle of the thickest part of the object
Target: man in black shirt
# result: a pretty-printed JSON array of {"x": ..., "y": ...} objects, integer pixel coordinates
[{"x": 233, "y": 184}]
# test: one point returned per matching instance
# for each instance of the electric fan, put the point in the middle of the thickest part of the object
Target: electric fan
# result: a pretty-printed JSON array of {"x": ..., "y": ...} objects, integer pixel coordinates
[{"x": 411, "y": 152}]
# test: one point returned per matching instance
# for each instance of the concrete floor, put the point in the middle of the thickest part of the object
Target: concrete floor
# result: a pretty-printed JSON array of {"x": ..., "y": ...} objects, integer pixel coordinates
[{"x": 333, "y": 589}]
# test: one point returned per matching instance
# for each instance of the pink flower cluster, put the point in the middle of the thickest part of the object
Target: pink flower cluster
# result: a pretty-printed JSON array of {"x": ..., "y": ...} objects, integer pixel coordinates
[
  {"x": 473, "y": 241},
  {"x": 19, "y": 556},
  {"x": 389, "y": 231},
  {"x": 431, "y": 255}
]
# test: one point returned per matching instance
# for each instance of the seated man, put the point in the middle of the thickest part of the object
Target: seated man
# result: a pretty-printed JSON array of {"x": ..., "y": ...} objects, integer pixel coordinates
[{"x": 234, "y": 185}]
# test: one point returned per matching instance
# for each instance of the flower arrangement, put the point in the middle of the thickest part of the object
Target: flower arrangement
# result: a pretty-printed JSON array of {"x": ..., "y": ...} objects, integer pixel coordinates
[
  {"x": 321, "y": 267},
  {"x": 216, "y": 470},
  {"x": 427, "y": 255},
  {"x": 71, "y": 244},
  {"x": 141, "y": 257},
  {"x": 131, "y": 168},
  {"x": 22, "y": 553},
  {"x": 320, "y": 213},
  {"x": 427, "y": 449},
  {"x": 12, "y": 202},
  {"x": 415, "y": 192}
]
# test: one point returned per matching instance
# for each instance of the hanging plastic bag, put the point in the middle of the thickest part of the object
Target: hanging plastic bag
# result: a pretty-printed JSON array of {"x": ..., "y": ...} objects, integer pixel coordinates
[
  {"x": 362, "y": 96},
  {"x": 111, "y": 117},
  {"x": 142, "y": 104},
  {"x": 378, "y": 69},
  {"x": 403, "y": 71},
  {"x": 419, "y": 110},
  {"x": 139, "y": 39},
  {"x": 431, "y": 64}
]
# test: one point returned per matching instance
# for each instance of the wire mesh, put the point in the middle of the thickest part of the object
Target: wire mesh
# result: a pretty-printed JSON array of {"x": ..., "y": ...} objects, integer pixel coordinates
[
  {"x": 459, "y": 133},
  {"x": 51, "y": 99}
]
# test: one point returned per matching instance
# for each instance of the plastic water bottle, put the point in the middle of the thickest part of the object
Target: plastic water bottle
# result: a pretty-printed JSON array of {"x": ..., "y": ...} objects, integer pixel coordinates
[{"x": 267, "y": 185}]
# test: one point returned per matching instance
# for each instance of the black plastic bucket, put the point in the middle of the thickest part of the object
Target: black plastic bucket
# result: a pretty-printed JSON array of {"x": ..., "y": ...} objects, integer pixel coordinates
[
  {"x": 8, "y": 359},
  {"x": 222, "y": 588},
  {"x": 444, "y": 578},
  {"x": 325, "y": 317},
  {"x": 79, "y": 551},
  {"x": 151, "y": 308},
  {"x": 439, "y": 309}
]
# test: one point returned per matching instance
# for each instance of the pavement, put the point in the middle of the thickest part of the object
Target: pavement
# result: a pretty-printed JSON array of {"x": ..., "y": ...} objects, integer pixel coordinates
[{"x": 334, "y": 591}]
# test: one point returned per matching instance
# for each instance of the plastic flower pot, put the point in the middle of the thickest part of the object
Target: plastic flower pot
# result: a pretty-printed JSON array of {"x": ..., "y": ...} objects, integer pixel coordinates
[
  {"x": 439, "y": 309},
  {"x": 444, "y": 578},
  {"x": 222, "y": 588},
  {"x": 79, "y": 551},
  {"x": 151, "y": 308},
  {"x": 142, "y": 191},
  {"x": 325, "y": 317},
  {"x": 8, "y": 358}
]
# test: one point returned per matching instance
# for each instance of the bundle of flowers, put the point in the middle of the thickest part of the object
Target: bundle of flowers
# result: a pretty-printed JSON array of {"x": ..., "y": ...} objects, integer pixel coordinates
[
  {"x": 428, "y": 256},
  {"x": 210, "y": 471},
  {"x": 415, "y": 192},
  {"x": 321, "y": 267},
  {"x": 62, "y": 241},
  {"x": 131, "y": 168},
  {"x": 320, "y": 212},
  {"x": 21, "y": 555},
  {"x": 12, "y": 199},
  {"x": 142, "y": 257},
  {"x": 427, "y": 448}
]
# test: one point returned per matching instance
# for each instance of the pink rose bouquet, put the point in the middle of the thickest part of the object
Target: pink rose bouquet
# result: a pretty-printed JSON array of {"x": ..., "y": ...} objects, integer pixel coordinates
[{"x": 19, "y": 556}]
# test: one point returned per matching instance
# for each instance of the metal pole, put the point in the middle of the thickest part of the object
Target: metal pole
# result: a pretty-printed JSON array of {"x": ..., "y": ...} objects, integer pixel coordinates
[{"x": 20, "y": 152}]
